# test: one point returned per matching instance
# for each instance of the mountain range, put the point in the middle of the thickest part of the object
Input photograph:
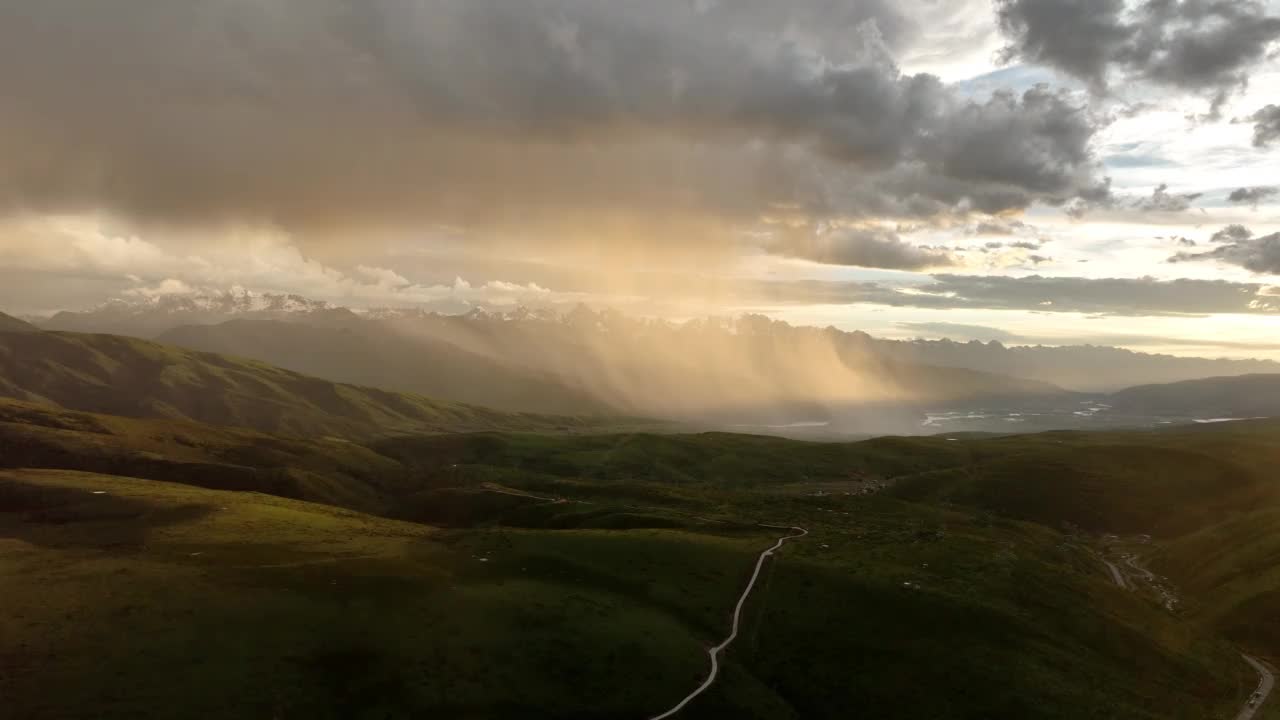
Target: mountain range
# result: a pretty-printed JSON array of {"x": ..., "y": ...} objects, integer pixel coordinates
[
  {"x": 148, "y": 316},
  {"x": 1078, "y": 368},
  {"x": 371, "y": 541},
  {"x": 748, "y": 373}
]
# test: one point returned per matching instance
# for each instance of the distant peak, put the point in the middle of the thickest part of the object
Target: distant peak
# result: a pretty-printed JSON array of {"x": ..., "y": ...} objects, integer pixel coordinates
[{"x": 235, "y": 300}]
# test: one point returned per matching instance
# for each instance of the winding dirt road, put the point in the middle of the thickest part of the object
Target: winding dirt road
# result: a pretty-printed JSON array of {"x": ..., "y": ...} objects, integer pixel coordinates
[
  {"x": 1265, "y": 686},
  {"x": 1267, "y": 679},
  {"x": 1116, "y": 575},
  {"x": 737, "y": 616}
]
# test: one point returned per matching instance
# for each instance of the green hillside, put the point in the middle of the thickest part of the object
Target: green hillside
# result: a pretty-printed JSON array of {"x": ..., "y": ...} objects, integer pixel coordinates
[
  {"x": 1243, "y": 396},
  {"x": 9, "y": 324},
  {"x": 367, "y": 353},
  {"x": 548, "y": 577},
  {"x": 1165, "y": 482},
  {"x": 137, "y": 378}
]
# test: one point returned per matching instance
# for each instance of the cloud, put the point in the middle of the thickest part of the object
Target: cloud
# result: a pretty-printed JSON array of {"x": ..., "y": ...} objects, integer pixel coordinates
[
  {"x": 556, "y": 120},
  {"x": 870, "y": 248},
  {"x": 88, "y": 263},
  {"x": 383, "y": 276},
  {"x": 1096, "y": 296},
  {"x": 1204, "y": 46},
  {"x": 1231, "y": 233},
  {"x": 1260, "y": 255},
  {"x": 1266, "y": 126},
  {"x": 1185, "y": 241},
  {"x": 1252, "y": 196},
  {"x": 1162, "y": 200},
  {"x": 166, "y": 287},
  {"x": 994, "y": 227},
  {"x": 981, "y": 333}
]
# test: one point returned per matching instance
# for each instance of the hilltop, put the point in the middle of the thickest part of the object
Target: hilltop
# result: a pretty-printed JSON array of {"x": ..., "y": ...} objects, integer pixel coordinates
[
  {"x": 137, "y": 378},
  {"x": 595, "y": 602},
  {"x": 366, "y": 353},
  {"x": 8, "y": 323},
  {"x": 750, "y": 371},
  {"x": 1079, "y": 368},
  {"x": 1244, "y": 396}
]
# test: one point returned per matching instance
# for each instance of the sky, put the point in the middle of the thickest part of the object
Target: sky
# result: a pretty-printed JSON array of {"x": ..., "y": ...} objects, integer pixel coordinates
[{"x": 1028, "y": 171}]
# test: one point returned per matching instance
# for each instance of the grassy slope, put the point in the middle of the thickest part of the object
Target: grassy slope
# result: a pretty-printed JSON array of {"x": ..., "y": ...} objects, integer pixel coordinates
[
  {"x": 369, "y": 353},
  {"x": 1008, "y": 620},
  {"x": 326, "y": 470},
  {"x": 136, "y": 378},
  {"x": 1241, "y": 396},
  {"x": 1167, "y": 482},
  {"x": 1208, "y": 494},
  {"x": 165, "y": 600},
  {"x": 1232, "y": 571},
  {"x": 9, "y": 323}
]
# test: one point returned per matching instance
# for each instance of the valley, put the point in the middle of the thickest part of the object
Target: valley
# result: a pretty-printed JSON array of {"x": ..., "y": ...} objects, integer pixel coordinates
[
  {"x": 474, "y": 563},
  {"x": 639, "y": 360}
]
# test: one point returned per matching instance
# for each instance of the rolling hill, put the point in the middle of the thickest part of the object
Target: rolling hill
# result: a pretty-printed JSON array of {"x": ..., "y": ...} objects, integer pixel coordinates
[
  {"x": 597, "y": 603},
  {"x": 335, "y": 550},
  {"x": 1079, "y": 368},
  {"x": 1242, "y": 396},
  {"x": 368, "y": 353},
  {"x": 137, "y": 378},
  {"x": 8, "y": 323},
  {"x": 752, "y": 373}
]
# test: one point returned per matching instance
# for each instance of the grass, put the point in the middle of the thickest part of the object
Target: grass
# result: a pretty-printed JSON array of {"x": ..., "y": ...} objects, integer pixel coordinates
[
  {"x": 1165, "y": 483},
  {"x": 1232, "y": 569},
  {"x": 418, "y": 590},
  {"x": 136, "y": 378},
  {"x": 217, "y": 604}
]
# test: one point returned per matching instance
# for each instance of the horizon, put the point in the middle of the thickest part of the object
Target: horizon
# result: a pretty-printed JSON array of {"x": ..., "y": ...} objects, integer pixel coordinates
[{"x": 900, "y": 332}]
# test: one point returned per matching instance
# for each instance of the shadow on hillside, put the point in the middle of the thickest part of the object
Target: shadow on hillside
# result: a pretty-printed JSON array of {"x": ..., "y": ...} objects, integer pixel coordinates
[{"x": 71, "y": 517}]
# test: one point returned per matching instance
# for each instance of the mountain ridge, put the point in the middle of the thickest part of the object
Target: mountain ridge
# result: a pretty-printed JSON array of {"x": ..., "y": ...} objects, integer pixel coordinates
[
  {"x": 1079, "y": 368},
  {"x": 9, "y": 323},
  {"x": 138, "y": 378}
]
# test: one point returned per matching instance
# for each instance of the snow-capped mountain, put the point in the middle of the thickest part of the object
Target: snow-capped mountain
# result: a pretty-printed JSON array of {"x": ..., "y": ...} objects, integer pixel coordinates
[{"x": 150, "y": 315}]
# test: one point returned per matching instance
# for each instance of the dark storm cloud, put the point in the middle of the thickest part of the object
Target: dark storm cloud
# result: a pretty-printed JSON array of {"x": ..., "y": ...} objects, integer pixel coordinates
[
  {"x": 1256, "y": 254},
  {"x": 1231, "y": 233},
  {"x": 1252, "y": 196},
  {"x": 870, "y": 248},
  {"x": 992, "y": 228},
  {"x": 585, "y": 114},
  {"x": 1205, "y": 46},
  {"x": 1266, "y": 125},
  {"x": 1102, "y": 296},
  {"x": 1162, "y": 200}
]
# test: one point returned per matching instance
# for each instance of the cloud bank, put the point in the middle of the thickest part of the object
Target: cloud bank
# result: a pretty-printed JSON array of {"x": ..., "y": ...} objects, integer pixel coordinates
[
  {"x": 547, "y": 120},
  {"x": 1238, "y": 246},
  {"x": 1203, "y": 46}
]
